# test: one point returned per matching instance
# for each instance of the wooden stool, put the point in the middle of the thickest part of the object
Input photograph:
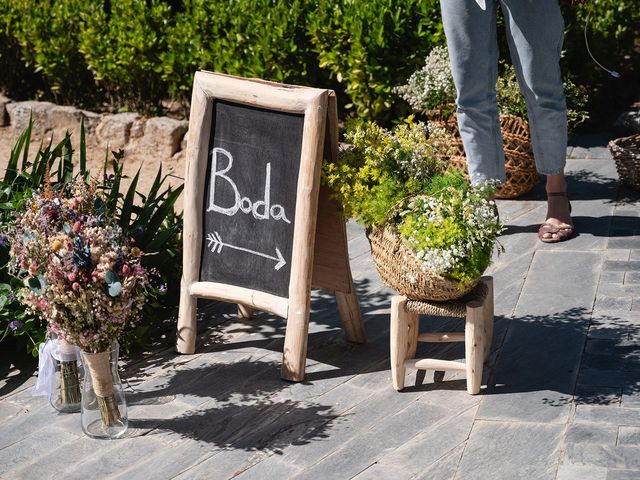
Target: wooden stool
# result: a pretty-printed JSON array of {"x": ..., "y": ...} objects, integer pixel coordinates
[{"x": 476, "y": 308}]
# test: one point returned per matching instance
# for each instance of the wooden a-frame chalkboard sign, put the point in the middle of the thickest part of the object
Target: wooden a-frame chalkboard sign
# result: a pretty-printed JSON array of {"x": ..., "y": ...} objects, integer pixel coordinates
[{"x": 259, "y": 231}]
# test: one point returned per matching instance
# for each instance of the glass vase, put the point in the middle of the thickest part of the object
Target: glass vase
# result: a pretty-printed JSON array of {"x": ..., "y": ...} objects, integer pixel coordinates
[
  {"x": 104, "y": 408},
  {"x": 66, "y": 394}
]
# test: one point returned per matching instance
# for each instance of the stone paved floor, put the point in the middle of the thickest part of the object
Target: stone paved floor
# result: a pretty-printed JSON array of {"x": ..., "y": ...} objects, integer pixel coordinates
[{"x": 560, "y": 398}]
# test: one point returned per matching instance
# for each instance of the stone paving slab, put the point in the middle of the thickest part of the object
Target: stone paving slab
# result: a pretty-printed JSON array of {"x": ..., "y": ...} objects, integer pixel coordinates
[
  {"x": 511, "y": 450},
  {"x": 560, "y": 399}
]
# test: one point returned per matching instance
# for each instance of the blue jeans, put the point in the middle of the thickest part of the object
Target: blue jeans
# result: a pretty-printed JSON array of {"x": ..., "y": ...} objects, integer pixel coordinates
[{"x": 535, "y": 33}]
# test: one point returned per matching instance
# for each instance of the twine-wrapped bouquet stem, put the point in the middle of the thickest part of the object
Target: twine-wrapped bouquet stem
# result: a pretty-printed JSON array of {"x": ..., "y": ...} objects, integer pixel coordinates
[{"x": 99, "y": 368}]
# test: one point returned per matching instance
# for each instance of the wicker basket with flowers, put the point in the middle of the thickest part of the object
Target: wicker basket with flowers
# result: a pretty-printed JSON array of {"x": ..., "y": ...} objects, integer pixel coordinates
[{"x": 432, "y": 234}]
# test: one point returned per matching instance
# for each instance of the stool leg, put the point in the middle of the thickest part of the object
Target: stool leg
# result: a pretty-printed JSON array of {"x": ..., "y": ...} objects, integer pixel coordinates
[
  {"x": 412, "y": 341},
  {"x": 488, "y": 316},
  {"x": 399, "y": 341},
  {"x": 474, "y": 346}
]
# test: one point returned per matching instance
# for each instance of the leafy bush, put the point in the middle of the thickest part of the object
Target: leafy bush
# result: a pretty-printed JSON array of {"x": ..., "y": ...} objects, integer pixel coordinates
[
  {"x": 370, "y": 47},
  {"x": 253, "y": 38},
  {"x": 122, "y": 43},
  {"x": 149, "y": 220},
  {"x": 613, "y": 29},
  {"x": 16, "y": 79},
  {"x": 613, "y": 32},
  {"x": 47, "y": 32}
]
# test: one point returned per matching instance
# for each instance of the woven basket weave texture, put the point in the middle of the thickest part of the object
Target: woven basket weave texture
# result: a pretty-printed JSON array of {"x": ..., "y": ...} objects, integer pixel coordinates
[
  {"x": 520, "y": 168},
  {"x": 396, "y": 264},
  {"x": 626, "y": 153}
]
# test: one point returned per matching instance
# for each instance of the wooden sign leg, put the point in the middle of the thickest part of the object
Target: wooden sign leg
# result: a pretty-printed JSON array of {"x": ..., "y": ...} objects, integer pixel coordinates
[
  {"x": 294, "y": 357},
  {"x": 350, "y": 316},
  {"x": 331, "y": 269},
  {"x": 244, "y": 311},
  {"x": 187, "y": 328}
]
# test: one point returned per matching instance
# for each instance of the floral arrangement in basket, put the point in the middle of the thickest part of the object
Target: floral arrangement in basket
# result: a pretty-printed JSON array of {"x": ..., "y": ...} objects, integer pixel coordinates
[
  {"x": 432, "y": 234},
  {"x": 81, "y": 274},
  {"x": 431, "y": 90}
]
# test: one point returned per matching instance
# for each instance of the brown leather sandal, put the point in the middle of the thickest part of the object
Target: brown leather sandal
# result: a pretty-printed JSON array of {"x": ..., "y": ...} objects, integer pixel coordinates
[{"x": 562, "y": 233}]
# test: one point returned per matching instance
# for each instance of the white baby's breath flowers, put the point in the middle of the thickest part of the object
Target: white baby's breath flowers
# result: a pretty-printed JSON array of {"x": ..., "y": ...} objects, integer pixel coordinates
[
  {"x": 432, "y": 85},
  {"x": 453, "y": 231}
]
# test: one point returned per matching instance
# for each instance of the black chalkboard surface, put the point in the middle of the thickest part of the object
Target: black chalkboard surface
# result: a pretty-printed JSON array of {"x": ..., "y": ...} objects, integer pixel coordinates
[{"x": 250, "y": 197}]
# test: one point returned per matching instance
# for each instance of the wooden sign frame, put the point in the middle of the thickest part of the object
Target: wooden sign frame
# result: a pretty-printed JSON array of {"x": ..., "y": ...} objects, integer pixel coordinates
[{"x": 330, "y": 270}]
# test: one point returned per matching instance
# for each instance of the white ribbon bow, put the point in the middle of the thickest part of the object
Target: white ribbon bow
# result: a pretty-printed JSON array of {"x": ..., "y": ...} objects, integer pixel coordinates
[{"x": 47, "y": 353}]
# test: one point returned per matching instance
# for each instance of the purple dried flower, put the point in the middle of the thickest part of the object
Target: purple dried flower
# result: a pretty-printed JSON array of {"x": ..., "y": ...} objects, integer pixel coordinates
[
  {"x": 15, "y": 325},
  {"x": 163, "y": 288},
  {"x": 3, "y": 241}
]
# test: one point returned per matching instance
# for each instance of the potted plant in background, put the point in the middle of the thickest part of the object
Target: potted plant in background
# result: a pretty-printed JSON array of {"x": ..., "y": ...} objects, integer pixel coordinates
[
  {"x": 85, "y": 277},
  {"x": 431, "y": 91},
  {"x": 432, "y": 234}
]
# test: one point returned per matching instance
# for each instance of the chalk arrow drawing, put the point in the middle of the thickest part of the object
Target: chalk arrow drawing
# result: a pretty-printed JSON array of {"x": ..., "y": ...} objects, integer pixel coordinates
[{"x": 216, "y": 244}]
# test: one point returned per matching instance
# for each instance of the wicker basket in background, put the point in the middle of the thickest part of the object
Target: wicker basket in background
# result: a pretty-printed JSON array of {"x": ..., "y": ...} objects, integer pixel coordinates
[
  {"x": 398, "y": 268},
  {"x": 626, "y": 153},
  {"x": 520, "y": 167}
]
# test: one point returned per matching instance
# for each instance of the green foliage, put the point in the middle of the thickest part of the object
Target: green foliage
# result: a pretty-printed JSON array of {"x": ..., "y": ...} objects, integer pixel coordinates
[
  {"x": 613, "y": 32},
  {"x": 381, "y": 167},
  {"x": 150, "y": 219},
  {"x": 370, "y": 47},
  {"x": 47, "y": 32},
  {"x": 122, "y": 46},
  {"x": 511, "y": 101},
  {"x": 253, "y": 38},
  {"x": 16, "y": 78},
  {"x": 614, "y": 26}
]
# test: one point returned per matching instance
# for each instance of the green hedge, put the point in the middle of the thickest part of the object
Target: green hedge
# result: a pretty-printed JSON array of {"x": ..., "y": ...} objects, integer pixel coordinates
[
  {"x": 47, "y": 33},
  {"x": 122, "y": 43},
  {"x": 614, "y": 39},
  {"x": 255, "y": 38},
  {"x": 135, "y": 53},
  {"x": 372, "y": 46}
]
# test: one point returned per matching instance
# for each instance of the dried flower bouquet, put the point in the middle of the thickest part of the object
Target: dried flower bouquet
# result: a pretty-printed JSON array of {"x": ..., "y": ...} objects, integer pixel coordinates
[{"x": 80, "y": 273}]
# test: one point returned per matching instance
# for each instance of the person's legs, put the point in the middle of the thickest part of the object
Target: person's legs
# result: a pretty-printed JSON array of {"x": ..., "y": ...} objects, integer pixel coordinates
[
  {"x": 535, "y": 32},
  {"x": 473, "y": 50}
]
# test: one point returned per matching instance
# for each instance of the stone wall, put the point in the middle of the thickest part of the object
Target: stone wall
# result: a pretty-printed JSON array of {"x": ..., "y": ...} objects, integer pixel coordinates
[{"x": 156, "y": 137}]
